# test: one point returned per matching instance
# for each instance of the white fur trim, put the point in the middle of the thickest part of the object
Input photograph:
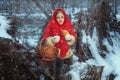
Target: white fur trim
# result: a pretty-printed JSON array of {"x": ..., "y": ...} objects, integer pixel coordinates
[
  {"x": 58, "y": 52},
  {"x": 69, "y": 54}
]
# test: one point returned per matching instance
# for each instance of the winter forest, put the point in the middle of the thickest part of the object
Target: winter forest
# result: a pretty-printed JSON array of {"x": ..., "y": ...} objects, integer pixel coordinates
[{"x": 96, "y": 51}]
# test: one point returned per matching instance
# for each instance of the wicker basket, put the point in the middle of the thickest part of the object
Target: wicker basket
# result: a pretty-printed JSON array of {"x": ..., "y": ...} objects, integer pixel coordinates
[{"x": 47, "y": 53}]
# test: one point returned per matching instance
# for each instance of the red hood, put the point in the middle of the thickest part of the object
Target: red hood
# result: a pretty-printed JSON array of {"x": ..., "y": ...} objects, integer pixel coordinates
[{"x": 53, "y": 19}]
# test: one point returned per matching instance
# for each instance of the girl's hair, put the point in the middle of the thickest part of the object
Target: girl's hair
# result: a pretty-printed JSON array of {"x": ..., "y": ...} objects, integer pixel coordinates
[{"x": 59, "y": 11}]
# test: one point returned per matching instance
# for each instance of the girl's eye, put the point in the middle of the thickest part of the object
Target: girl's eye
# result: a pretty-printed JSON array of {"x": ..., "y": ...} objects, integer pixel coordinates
[{"x": 58, "y": 17}]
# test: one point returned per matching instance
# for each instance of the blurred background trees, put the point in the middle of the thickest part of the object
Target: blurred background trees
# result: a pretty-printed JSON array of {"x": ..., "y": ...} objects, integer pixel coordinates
[{"x": 44, "y": 6}]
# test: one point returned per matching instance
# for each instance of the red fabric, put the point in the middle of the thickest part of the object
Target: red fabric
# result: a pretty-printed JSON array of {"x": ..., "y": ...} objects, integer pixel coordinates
[{"x": 53, "y": 29}]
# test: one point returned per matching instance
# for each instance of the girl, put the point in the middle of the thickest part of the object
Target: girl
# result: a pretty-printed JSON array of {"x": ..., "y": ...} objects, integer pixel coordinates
[{"x": 60, "y": 33}]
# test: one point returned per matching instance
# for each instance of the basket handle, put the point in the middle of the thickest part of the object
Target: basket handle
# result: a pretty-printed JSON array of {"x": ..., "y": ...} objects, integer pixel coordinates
[{"x": 41, "y": 41}]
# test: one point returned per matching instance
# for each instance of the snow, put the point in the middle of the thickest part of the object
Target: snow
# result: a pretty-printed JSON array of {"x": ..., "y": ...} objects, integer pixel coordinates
[
  {"x": 118, "y": 13},
  {"x": 77, "y": 68},
  {"x": 110, "y": 63},
  {"x": 4, "y": 25},
  {"x": 118, "y": 17},
  {"x": 41, "y": 15},
  {"x": 72, "y": 12}
]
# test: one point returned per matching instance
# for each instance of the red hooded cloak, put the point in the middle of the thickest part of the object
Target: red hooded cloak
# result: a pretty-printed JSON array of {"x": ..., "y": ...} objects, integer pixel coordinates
[{"x": 54, "y": 29}]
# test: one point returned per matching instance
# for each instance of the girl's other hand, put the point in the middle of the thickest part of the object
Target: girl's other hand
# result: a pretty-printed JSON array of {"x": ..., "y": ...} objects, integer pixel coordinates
[
  {"x": 70, "y": 39},
  {"x": 55, "y": 39}
]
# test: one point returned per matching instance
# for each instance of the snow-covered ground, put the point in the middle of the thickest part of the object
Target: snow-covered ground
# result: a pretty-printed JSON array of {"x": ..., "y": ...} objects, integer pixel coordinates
[
  {"x": 110, "y": 63},
  {"x": 4, "y": 25},
  {"x": 118, "y": 13},
  {"x": 118, "y": 17}
]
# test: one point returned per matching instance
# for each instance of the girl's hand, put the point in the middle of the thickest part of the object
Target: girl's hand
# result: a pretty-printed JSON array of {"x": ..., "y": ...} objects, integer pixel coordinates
[
  {"x": 50, "y": 41},
  {"x": 55, "y": 39},
  {"x": 70, "y": 39}
]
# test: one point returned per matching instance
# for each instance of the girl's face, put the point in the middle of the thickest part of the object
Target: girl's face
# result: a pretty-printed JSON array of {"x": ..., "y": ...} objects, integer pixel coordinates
[{"x": 60, "y": 18}]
